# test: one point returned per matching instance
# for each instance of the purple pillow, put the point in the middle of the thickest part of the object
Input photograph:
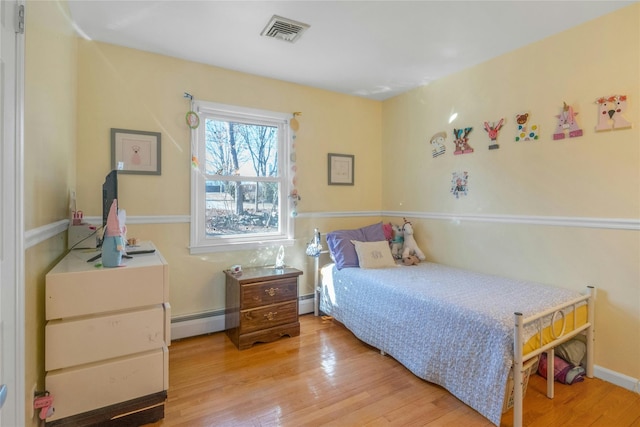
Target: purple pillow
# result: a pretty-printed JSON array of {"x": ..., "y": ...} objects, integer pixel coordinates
[
  {"x": 373, "y": 232},
  {"x": 343, "y": 252}
]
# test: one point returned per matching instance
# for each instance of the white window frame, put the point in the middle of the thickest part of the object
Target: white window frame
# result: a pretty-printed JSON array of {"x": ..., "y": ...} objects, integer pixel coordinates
[{"x": 199, "y": 242}]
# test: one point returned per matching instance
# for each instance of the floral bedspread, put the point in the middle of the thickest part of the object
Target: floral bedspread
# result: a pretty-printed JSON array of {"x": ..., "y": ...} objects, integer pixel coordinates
[{"x": 449, "y": 326}]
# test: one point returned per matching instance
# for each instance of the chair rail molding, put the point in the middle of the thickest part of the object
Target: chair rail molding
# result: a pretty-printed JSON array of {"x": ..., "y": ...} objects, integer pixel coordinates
[{"x": 42, "y": 233}]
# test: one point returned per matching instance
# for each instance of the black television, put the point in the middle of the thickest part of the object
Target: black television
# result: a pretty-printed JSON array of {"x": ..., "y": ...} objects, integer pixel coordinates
[{"x": 109, "y": 193}]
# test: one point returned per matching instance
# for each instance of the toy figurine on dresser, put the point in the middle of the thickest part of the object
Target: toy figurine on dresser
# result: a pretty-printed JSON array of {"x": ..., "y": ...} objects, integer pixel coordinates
[{"x": 113, "y": 242}]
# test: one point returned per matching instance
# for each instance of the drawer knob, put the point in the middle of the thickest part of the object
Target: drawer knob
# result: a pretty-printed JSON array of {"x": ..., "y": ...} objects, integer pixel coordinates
[
  {"x": 271, "y": 291},
  {"x": 270, "y": 315}
]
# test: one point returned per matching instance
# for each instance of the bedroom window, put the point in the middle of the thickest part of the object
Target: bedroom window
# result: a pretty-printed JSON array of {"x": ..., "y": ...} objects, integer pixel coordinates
[{"x": 239, "y": 189}]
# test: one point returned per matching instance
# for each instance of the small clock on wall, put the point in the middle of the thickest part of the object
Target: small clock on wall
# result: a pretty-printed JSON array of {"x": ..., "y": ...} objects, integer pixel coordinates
[{"x": 193, "y": 121}]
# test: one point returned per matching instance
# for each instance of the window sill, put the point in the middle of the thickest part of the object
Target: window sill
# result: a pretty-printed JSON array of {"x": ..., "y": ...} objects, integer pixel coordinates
[{"x": 239, "y": 246}]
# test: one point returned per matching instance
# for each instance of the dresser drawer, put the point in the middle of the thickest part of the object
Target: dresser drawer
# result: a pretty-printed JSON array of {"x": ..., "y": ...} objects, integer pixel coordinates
[
  {"x": 95, "y": 338},
  {"x": 92, "y": 386},
  {"x": 104, "y": 290},
  {"x": 268, "y": 317},
  {"x": 268, "y": 292}
]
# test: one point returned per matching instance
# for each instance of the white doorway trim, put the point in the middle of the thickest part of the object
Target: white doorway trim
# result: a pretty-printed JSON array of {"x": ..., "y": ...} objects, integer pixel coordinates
[{"x": 12, "y": 297}]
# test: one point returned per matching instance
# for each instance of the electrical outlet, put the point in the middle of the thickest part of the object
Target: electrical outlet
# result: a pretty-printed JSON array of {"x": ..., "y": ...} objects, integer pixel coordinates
[{"x": 33, "y": 393}]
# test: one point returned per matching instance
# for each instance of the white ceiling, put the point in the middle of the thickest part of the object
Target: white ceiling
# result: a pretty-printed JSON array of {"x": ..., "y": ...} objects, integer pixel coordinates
[{"x": 373, "y": 49}]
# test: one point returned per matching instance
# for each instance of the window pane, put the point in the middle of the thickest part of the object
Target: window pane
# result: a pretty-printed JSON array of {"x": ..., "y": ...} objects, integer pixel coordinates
[
  {"x": 240, "y": 149},
  {"x": 236, "y": 208},
  {"x": 239, "y": 191}
]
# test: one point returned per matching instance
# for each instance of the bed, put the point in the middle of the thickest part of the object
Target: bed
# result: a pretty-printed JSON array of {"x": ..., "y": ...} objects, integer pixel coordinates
[{"x": 460, "y": 329}]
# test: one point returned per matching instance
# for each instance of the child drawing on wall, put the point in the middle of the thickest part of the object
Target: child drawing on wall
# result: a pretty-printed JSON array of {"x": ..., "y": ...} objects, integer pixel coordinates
[{"x": 459, "y": 182}]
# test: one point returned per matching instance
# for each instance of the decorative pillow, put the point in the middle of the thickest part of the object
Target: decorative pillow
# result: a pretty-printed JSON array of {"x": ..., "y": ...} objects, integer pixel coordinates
[
  {"x": 374, "y": 254},
  {"x": 373, "y": 232},
  {"x": 342, "y": 250}
]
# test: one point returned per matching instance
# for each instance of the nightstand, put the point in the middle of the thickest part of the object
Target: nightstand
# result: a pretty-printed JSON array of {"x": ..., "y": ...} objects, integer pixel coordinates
[{"x": 261, "y": 305}]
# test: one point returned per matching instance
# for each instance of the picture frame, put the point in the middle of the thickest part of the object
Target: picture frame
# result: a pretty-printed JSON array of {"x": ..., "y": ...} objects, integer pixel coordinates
[
  {"x": 341, "y": 169},
  {"x": 136, "y": 152}
]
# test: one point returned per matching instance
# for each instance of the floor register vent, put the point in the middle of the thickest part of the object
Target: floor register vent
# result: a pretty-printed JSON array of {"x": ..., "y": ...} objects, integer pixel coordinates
[{"x": 284, "y": 29}]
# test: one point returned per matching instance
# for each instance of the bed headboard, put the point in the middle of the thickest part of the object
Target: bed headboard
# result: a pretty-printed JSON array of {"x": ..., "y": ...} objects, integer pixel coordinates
[{"x": 316, "y": 248}]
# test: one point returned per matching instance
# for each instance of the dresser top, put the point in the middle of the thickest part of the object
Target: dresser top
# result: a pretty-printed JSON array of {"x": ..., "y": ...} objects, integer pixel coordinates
[{"x": 76, "y": 260}]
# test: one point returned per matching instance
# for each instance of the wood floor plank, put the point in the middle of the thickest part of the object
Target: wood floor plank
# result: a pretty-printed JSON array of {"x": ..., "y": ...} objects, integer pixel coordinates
[{"x": 327, "y": 377}]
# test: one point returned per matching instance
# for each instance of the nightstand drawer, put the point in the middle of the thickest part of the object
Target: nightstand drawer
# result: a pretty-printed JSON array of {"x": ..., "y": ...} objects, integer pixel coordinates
[
  {"x": 269, "y": 316},
  {"x": 269, "y": 292}
]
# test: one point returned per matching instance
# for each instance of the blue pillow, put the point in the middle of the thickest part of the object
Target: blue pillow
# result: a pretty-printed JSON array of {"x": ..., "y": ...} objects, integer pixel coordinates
[{"x": 343, "y": 252}]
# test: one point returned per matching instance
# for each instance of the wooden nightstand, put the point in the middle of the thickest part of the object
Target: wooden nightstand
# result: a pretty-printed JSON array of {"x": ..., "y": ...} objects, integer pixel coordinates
[{"x": 261, "y": 305}]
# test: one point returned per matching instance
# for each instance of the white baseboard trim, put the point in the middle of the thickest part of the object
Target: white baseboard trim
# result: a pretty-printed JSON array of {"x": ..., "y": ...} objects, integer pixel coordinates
[
  {"x": 617, "y": 378},
  {"x": 210, "y": 322}
]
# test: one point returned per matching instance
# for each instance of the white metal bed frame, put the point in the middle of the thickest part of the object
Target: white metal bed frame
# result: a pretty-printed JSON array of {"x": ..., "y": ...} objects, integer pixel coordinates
[
  {"x": 518, "y": 343},
  {"x": 521, "y": 322}
]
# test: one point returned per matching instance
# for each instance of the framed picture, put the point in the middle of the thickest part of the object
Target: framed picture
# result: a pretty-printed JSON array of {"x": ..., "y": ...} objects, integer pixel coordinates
[
  {"x": 341, "y": 169},
  {"x": 135, "y": 151}
]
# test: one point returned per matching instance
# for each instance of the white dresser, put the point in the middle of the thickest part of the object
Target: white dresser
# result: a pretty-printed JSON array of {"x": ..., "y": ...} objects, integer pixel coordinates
[{"x": 106, "y": 339}]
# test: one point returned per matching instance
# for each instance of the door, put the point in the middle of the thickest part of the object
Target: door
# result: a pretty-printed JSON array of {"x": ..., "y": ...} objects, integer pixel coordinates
[{"x": 12, "y": 412}]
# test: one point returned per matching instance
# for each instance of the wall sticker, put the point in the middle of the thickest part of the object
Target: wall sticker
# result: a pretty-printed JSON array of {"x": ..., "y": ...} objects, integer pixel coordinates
[
  {"x": 459, "y": 183},
  {"x": 525, "y": 132},
  {"x": 437, "y": 144},
  {"x": 462, "y": 141},
  {"x": 567, "y": 122},
  {"x": 611, "y": 111},
  {"x": 492, "y": 129}
]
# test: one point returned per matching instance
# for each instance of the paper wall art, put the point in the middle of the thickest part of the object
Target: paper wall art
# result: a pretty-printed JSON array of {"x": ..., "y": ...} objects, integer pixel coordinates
[
  {"x": 611, "y": 111},
  {"x": 462, "y": 141},
  {"x": 459, "y": 184},
  {"x": 492, "y": 129},
  {"x": 567, "y": 122},
  {"x": 437, "y": 144},
  {"x": 526, "y": 131}
]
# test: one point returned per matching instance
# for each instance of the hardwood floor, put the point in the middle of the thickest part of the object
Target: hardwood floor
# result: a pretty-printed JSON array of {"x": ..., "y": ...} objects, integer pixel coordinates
[{"x": 327, "y": 377}]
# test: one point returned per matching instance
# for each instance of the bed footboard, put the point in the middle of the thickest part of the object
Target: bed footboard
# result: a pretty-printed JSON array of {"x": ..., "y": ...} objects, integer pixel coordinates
[{"x": 557, "y": 314}]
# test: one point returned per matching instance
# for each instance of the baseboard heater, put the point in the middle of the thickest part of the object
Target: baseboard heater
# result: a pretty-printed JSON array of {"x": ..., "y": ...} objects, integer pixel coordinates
[{"x": 207, "y": 322}]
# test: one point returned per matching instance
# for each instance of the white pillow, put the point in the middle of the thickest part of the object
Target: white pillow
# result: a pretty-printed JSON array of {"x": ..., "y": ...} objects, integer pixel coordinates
[{"x": 374, "y": 254}]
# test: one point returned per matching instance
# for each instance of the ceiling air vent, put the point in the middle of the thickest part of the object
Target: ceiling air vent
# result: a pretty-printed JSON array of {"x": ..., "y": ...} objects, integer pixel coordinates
[{"x": 284, "y": 29}]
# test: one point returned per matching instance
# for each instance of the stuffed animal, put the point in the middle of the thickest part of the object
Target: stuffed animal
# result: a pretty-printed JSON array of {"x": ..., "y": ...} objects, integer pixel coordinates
[
  {"x": 410, "y": 260},
  {"x": 388, "y": 232},
  {"x": 397, "y": 241},
  {"x": 410, "y": 246}
]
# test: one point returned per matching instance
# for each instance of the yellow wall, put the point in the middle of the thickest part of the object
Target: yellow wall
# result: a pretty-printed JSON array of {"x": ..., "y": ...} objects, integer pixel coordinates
[
  {"x": 49, "y": 170},
  {"x": 125, "y": 88},
  {"x": 593, "y": 176}
]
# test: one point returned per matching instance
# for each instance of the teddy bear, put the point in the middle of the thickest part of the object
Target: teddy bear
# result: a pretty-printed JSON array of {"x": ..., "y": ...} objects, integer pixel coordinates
[
  {"x": 410, "y": 260},
  {"x": 410, "y": 246}
]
